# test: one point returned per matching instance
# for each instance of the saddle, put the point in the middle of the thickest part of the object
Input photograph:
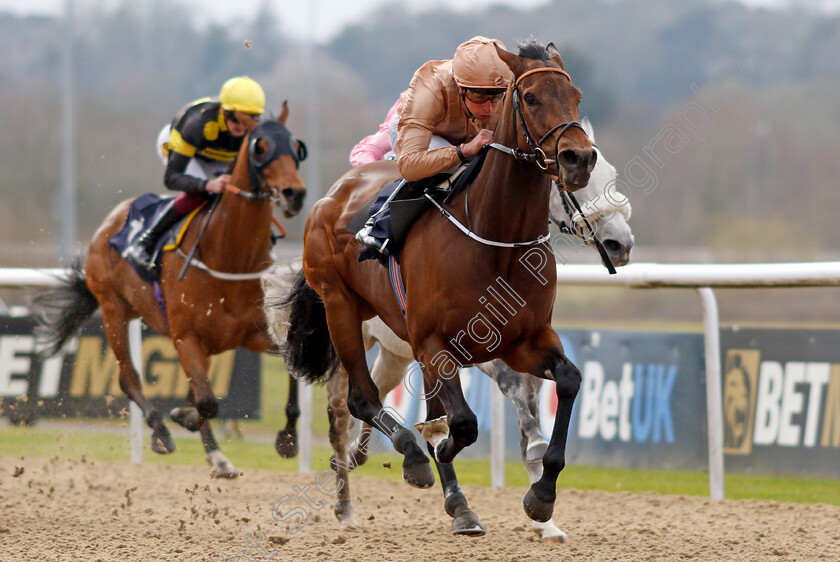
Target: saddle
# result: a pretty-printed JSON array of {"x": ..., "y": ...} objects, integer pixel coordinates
[
  {"x": 142, "y": 212},
  {"x": 411, "y": 202}
]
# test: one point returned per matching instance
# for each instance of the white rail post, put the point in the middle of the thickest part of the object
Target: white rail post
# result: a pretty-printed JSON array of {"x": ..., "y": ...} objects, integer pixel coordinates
[
  {"x": 305, "y": 425},
  {"x": 497, "y": 437},
  {"x": 135, "y": 422},
  {"x": 714, "y": 403}
]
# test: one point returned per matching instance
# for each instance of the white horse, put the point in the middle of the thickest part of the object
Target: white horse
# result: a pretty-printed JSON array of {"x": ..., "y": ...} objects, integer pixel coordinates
[{"x": 606, "y": 211}]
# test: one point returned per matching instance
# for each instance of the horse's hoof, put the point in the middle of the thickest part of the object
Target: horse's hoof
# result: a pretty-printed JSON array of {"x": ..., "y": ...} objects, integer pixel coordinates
[
  {"x": 550, "y": 533},
  {"x": 347, "y": 521},
  {"x": 225, "y": 473},
  {"x": 537, "y": 509},
  {"x": 419, "y": 476},
  {"x": 468, "y": 524},
  {"x": 535, "y": 452},
  {"x": 188, "y": 418},
  {"x": 433, "y": 431},
  {"x": 555, "y": 540},
  {"x": 417, "y": 470},
  {"x": 162, "y": 442},
  {"x": 286, "y": 444},
  {"x": 222, "y": 467}
]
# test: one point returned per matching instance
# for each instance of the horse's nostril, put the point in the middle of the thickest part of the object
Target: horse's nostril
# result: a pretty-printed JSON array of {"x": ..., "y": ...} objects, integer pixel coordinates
[
  {"x": 571, "y": 159},
  {"x": 613, "y": 247},
  {"x": 288, "y": 193}
]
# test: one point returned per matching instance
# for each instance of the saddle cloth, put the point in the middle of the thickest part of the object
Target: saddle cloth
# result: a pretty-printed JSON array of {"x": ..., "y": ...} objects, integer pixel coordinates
[{"x": 142, "y": 212}]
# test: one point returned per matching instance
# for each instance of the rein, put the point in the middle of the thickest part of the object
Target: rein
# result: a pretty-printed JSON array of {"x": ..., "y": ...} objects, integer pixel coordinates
[
  {"x": 252, "y": 197},
  {"x": 568, "y": 199},
  {"x": 223, "y": 275},
  {"x": 542, "y": 239}
]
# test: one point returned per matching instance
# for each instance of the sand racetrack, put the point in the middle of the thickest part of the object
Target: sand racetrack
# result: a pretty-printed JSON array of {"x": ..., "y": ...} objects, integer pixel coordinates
[{"x": 95, "y": 511}]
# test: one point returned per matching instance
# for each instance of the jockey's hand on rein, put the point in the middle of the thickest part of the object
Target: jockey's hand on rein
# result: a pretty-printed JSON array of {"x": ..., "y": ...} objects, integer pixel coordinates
[
  {"x": 217, "y": 185},
  {"x": 473, "y": 147}
]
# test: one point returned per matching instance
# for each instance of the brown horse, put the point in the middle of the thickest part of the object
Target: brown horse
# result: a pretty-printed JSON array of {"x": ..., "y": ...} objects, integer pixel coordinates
[
  {"x": 207, "y": 312},
  {"x": 469, "y": 299}
]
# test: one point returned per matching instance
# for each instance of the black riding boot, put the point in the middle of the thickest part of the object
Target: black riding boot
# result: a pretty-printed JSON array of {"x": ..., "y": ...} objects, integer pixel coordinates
[
  {"x": 142, "y": 249},
  {"x": 364, "y": 235}
]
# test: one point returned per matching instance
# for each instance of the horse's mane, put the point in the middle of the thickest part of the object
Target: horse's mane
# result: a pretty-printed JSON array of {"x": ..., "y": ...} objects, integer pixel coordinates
[{"x": 532, "y": 49}]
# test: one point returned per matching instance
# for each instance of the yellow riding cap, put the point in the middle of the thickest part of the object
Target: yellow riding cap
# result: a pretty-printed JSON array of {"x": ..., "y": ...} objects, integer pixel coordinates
[{"x": 242, "y": 94}]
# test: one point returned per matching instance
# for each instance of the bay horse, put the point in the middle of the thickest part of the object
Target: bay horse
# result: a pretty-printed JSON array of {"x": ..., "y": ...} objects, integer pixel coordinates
[
  {"x": 605, "y": 210},
  {"x": 447, "y": 277},
  {"x": 210, "y": 310}
]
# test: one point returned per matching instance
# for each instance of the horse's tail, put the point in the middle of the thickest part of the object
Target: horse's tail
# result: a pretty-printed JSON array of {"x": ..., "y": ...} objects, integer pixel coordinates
[
  {"x": 308, "y": 349},
  {"x": 65, "y": 309},
  {"x": 276, "y": 286}
]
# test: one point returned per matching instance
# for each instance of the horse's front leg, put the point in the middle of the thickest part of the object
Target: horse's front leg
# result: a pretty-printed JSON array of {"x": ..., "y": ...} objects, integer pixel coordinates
[
  {"x": 441, "y": 380},
  {"x": 464, "y": 521},
  {"x": 549, "y": 361},
  {"x": 523, "y": 391},
  {"x": 514, "y": 387},
  {"x": 204, "y": 404}
]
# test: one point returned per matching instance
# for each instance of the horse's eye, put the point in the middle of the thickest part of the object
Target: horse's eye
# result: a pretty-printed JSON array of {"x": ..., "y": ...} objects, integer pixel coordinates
[{"x": 530, "y": 99}]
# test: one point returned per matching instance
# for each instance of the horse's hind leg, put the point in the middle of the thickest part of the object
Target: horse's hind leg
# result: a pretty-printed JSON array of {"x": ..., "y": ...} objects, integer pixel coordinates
[
  {"x": 115, "y": 318},
  {"x": 345, "y": 328},
  {"x": 341, "y": 462},
  {"x": 387, "y": 374},
  {"x": 286, "y": 442}
]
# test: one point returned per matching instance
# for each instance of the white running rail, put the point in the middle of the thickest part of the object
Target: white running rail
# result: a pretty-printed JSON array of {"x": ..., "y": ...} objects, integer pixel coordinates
[{"x": 703, "y": 278}]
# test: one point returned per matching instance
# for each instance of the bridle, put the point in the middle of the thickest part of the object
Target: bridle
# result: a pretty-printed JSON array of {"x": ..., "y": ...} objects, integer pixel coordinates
[
  {"x": 538, "y": 155},
  {"x": 279, "y": 141}
]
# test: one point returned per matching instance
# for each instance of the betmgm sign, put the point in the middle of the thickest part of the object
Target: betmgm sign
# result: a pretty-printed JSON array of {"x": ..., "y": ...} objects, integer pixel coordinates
[{"x": 83, "y": 379}]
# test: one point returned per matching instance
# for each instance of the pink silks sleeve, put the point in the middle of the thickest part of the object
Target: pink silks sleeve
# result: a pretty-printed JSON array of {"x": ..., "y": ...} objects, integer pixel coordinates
[{"x": 374, "y": 147}]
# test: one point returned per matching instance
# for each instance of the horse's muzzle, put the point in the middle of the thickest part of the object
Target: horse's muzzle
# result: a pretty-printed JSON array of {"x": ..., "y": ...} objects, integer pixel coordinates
[
  {"x": 293, "y": 198},
  {"x": 575, "y": 165}
]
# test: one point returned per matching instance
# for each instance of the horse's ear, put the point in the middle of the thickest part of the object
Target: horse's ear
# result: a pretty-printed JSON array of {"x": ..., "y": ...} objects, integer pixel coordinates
[
  {"x": 513, "y": 61},
  {"x": 554, "y": 54},
  {"x": 284, "y": 114},
  {"x": 587, "y": 128}
]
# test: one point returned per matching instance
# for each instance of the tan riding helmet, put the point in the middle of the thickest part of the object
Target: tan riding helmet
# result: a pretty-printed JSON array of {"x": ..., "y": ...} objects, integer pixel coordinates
[{"x": 477, "y": 66}]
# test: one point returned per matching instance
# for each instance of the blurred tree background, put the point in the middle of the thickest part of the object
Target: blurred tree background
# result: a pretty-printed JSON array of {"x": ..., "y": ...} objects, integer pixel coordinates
[{"x": 756, "y": 180}]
